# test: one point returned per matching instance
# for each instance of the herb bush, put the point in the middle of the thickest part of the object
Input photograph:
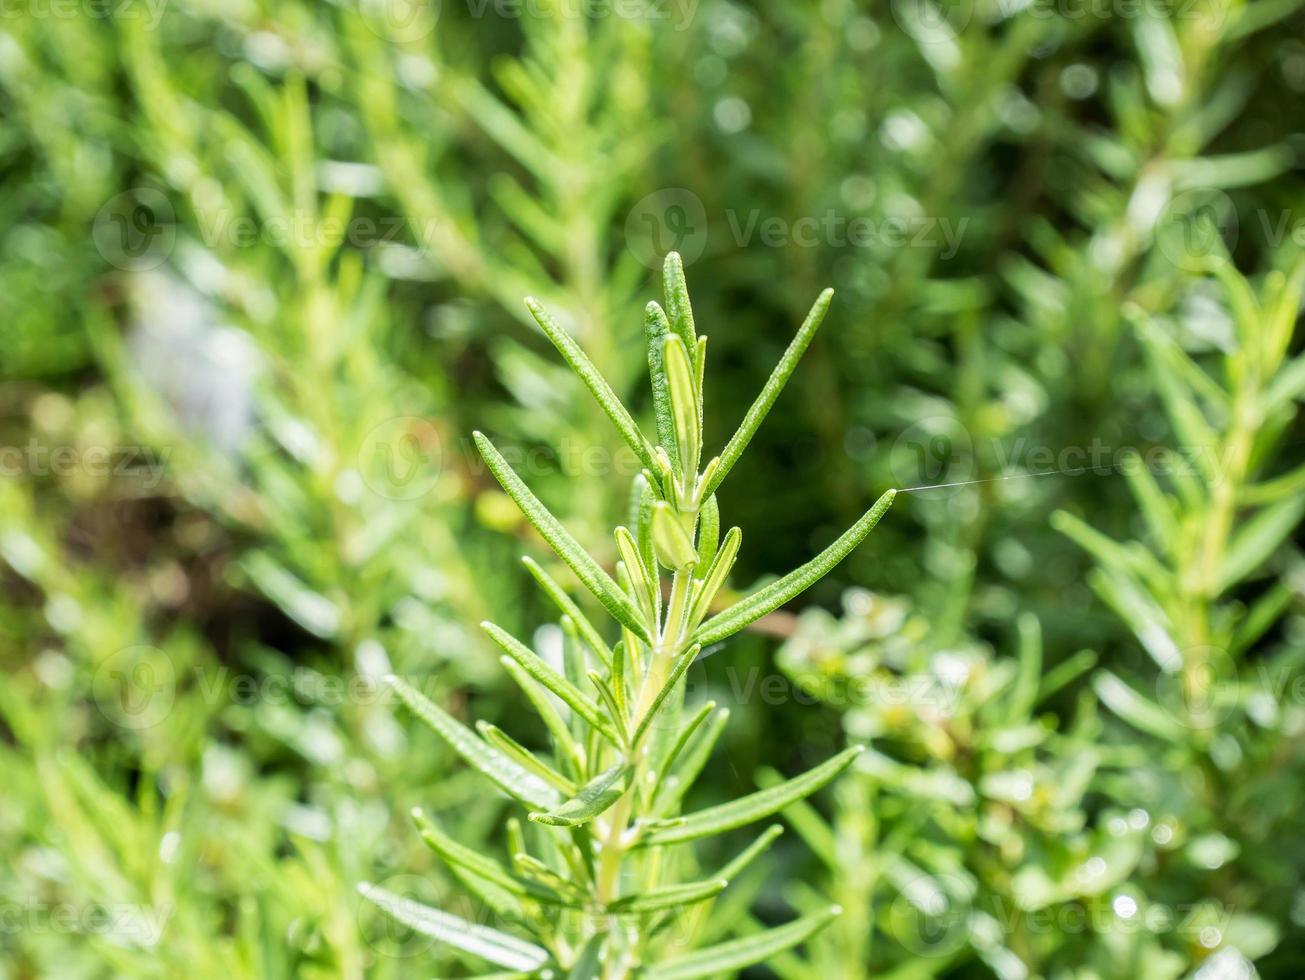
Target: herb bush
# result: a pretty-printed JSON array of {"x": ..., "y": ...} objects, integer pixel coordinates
[{"x": 235, "y": 492}]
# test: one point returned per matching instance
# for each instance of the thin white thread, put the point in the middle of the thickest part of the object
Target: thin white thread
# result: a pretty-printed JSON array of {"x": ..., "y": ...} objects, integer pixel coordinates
[{"x": 999, "y": 479}]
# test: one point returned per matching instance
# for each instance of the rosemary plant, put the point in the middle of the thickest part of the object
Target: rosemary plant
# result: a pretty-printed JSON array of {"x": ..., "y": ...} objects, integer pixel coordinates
[{"x": 598, "y": 882}]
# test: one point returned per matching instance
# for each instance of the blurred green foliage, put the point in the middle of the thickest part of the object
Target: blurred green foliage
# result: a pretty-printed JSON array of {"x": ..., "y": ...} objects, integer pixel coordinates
[{"x": 260, "y": 275}]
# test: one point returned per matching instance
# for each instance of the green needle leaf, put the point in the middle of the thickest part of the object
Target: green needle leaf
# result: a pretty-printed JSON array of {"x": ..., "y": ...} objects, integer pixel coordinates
[
  {"x": 594, "y": 381},
  {"x": 673, "y": 781},
  {"x": 564, "y": 603},
  {"x": 656, "y": 329},
  {"x": 751, "y": 852},
  {"x": 670, "y": 541},
  {"x": 678, "y": 306},
  {"x": 795, "y": 582},
  {"x": 531, "y": 663},
  {"x": 770, "y": 391},
  {"x": 672, "y": 896},
  {"x": 563, "y": 740},
  {"x": 684, "y": 407},
  {"x": 716, "y": 575},
  {"x": 738, "y": 813},
  {"x": 559, "y": 539},
  {"x": 635, "y": 568},
  {"x": 480, "y": 873},
  {"x": 514, "y": 750},
  {"x": 502, "y": 771},
  {"x": 489, "y": 944},
  {"x": 708, "y": 534},
  {"x": 681, "y": 665},
  {"x": 726, "y": 958},
  {"x": 594, "y": 798}
]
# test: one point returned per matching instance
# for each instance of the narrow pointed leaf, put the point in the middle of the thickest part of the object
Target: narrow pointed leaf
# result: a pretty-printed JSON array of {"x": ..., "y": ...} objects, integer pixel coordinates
[
  {"x": 643, "y": 525},
  {"x": 609, "y": 701},
  {"x": 502, "y": 771},
  {"x": 656, "y": 328},
  {"x": 1258, "y": 538},
  {"x": 728, "y": 958},
  {"x": 684, "y": 406},
  {"x": 738, "y": 813},
  {"x": 666, "y": 786},
  {"x": 694, "y": 750},
  {"x": 514, "y": 750},
  {"x": 678, "y": 308},
  {"x": 751, "y": 853},
  {"x": 1143, "y": 714},
  {"x": 777, "y": 593},
  {"x": 531, "y": 663},
  {"x": 459, "y": 856},
  {"x": 594, "y": 381},
  {"x": 562, "y": 737},
  {"x": 708, "y": 534},
  {"x": 770, "y": 391},
  {"x": 700, "y": 372},
  {"x": 567, "y": 606},
  {"x": 670, "y": 542},
  {"x": 559, "y": 539},
  {"x": 672, "y": 896},
  {"x": 589, "y": 964},
  {"x": 489, "y": 944},
  {"x": 681, "y": 665},
  {"x": 480, "y": 874},
  {"x": 1025, "y": 693},
  {"x": 593, "y": 799},
  {"x": 716, "y": 575},
  {"x": 634, "y": 567}
]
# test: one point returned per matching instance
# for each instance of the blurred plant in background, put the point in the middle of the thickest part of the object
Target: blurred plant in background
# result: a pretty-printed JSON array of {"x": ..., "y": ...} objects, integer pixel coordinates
[{"x": 260, "y": 268}]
